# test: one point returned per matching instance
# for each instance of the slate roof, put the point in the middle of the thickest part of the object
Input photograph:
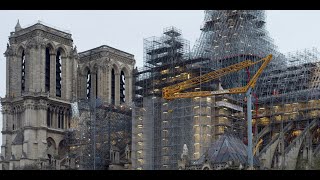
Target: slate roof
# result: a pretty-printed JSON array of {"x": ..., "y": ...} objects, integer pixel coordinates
[{"x": 227, "y": 148}]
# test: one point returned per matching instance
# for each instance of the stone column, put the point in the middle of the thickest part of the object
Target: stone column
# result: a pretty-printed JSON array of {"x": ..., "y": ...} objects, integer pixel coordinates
[
  {"x": 93, "y": 85},
  {"x": 79, "y": 84},
  {"x": 43, "y": 114},
  {"x": 128, "y": 89},
  {"x": 34, "y": 116},
  {"x": 37, "y": 73},
  {"x": 52, "y": 74},
  {"x": 53, "y": 120},
  {"x": 22, "y": 117},
  {"x": 18, "y": 75},
  {"x": 15, "y": 72},
  {"x": 105, "y": 84},
  {"x": 36, "y": 69},
  {"x": 8, "y": 75},
  {"x": 100, "y": 83},
  {"x": 64, "y": 88},
  {"x": 68, "y": 79},
  {"x": 65, "y": 126},
  {"x": 27, "y": 114},
  {"x": 41, "y": 134},
  {"x": 117, "y": 89},
  {"x": 5, "y": 121},
  {"x": 30, "y": 69},
  {"x": 10, "y": 72},
  {"x": 109, "y": 85},
  {"x": 74, "y": 78},
  {"x": 65, "y": 120},
  {"x": 42, "y": 63},
  {"x": 6, "y": 136}
]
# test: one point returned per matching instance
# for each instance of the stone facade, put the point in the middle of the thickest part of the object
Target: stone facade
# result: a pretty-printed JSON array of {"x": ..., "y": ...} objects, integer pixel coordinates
[
  {"x": 44, "y": 76},
  {"x": 100, "y": 62}
]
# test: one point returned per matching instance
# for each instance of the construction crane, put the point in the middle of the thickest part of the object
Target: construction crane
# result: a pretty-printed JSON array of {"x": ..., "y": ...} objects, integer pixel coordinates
[{"x": 174, "y": 91}]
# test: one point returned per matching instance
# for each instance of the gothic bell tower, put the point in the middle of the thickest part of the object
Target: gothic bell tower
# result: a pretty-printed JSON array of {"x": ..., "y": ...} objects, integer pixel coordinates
[{"x": 41, "y": 78}]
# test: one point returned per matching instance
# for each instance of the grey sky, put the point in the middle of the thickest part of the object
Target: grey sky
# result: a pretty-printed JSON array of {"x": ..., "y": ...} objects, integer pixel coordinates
[{"x": 125, "y": 30}]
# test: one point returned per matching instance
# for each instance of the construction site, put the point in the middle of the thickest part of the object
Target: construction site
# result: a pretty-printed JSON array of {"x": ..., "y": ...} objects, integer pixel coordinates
[
  {"x": 181, "y": 133},
  {"x": 232, "y": 101}
]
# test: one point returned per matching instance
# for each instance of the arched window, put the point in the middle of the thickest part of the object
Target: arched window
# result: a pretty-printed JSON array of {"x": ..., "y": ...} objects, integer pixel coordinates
[
  {"x": 58, "y": 74},
  {"x": 23, "y": 71},
  {"x": 61, "y": 120},
  {"x": 113, "y": 86},
  {"x": 47, "y": 74},
  {"x": 88, "y": 84},
  {"x": 48, "y": 118},
  {"x": 122, "y": 87}
]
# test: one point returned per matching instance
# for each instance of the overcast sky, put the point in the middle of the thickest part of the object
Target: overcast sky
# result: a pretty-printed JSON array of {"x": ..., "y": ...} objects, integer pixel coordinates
[{"x": 125, "y": 30}]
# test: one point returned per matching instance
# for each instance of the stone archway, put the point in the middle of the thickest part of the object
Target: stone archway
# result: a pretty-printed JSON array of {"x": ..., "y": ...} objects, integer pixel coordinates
[
  {"x": 62, "y": 149},
  {"x": 51, "y": 149}
]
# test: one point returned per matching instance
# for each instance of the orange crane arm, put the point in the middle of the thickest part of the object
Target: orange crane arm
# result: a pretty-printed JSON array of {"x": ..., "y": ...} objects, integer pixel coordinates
[{"x": 173, "y": 92}]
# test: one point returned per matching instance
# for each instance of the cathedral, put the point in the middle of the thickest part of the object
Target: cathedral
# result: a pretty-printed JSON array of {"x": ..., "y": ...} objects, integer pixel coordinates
[{"x": 44, "y": 75}]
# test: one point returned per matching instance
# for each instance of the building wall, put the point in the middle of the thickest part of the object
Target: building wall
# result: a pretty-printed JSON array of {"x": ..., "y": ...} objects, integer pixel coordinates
[
  {"x": 35, "y": 118},
  {"x": 100, "y": 63}
]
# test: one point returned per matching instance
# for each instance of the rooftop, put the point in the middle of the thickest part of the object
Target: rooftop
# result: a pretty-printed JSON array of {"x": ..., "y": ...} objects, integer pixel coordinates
[
  {"x": 41, "y": 26},
  {"x": 105, "y": 48}
]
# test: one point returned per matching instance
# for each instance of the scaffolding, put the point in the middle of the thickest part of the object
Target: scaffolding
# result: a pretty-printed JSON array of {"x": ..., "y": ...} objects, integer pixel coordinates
[
  {"x": 286, "y": 94},
  {"x": 164, "y": 63},
  {"x": 160, "y": 127},
  {"x": 288, "y": 116},
  {"x": 99, "y": 135},
  {"x": 285, "y": 104},
  {"x": 227, "y": 37},
  {"x": 232, "y": 36},
  {"x": 165, "y": 126}
]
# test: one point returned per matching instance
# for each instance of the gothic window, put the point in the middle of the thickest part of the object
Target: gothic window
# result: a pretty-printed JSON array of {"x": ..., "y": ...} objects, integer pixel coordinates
[
  {"x": 58, "y": 74},
  {"x": 14, "y": 116},
  {"x": 48, "y": 118},
  {"x": 88, "y": 84},
  {"x": 47, "y": 74},
  {"x": 122, "y": 87},
  {"x": 23, "y": 71},
  {"x": 61, "y": 120},
  {"x": 113, "y": 86}
]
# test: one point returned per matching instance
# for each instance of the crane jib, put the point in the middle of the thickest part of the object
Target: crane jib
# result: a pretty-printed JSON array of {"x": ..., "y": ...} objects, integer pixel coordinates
[{"x": 219, "y": 92}]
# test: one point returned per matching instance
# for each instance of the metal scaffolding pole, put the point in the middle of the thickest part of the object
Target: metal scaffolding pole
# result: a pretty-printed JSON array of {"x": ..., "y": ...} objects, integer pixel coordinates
[{"x": 249, "y": 119}]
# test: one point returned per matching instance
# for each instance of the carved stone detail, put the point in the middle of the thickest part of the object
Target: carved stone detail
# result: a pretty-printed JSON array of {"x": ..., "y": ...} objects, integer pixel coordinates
[{"x": 43, "y": 34}]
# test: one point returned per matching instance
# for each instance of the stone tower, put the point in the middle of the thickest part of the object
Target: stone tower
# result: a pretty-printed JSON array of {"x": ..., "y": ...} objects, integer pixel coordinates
[
  {"x": 106, "y": 73},
  {"x": 40, "y": 85}
]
